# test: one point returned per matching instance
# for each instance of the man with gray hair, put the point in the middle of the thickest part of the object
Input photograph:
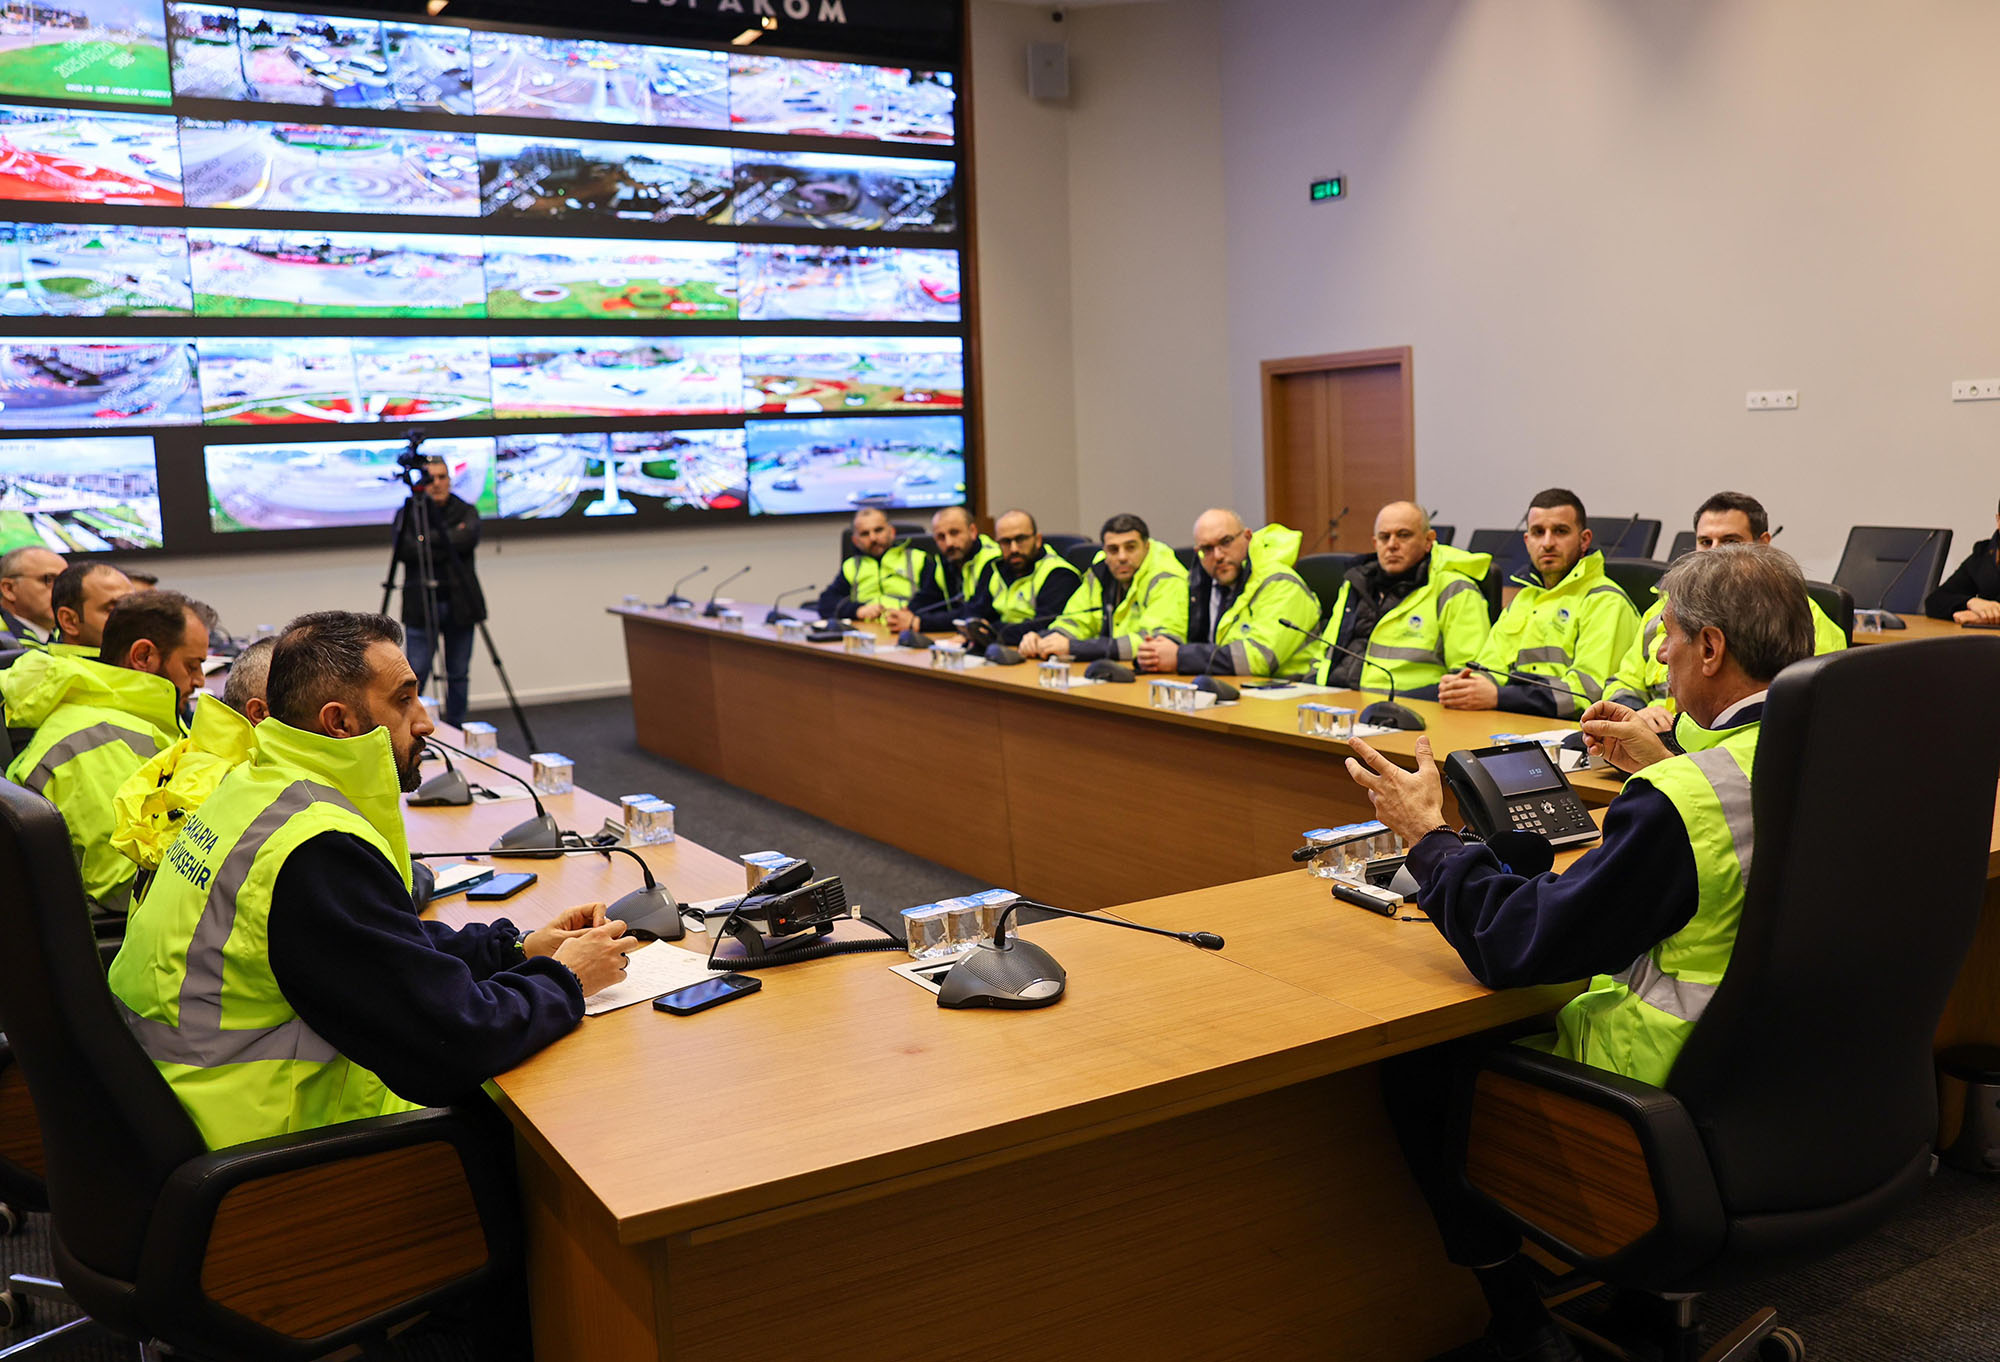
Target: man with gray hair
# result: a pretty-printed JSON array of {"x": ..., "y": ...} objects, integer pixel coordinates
[
  {"x": 244, "y": 690},
  {"x": 26, "y": 576},
  {"x": 1649, "y": 916}
]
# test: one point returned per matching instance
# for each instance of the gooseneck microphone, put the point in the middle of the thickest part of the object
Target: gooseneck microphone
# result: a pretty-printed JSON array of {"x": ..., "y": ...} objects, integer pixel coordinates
[
  {"x": 1529, "y": 678},
  {"x": 1884, "y": 617},
  {"x": 1332, "y": 528},
  {"x": 537, "y": 836},
  {"x": 651, "y": 913},
  {"x": 1383, "y": 713},
  {"x": 1618, "y": 542},
  {"x": 775, "y": 614},
  {"x": 1006, "y": 654},
  {"x": 1018, "y": 974},
  {"x": 1213, "y": 684},
  {"x": 448, "y": 790},
  {"x": 674, "y": 596},
  {"x": 711, "y": 610}
]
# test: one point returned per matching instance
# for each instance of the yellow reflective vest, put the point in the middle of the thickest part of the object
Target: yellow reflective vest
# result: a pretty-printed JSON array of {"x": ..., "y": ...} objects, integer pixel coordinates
[{"x": 1573, "y": 633}]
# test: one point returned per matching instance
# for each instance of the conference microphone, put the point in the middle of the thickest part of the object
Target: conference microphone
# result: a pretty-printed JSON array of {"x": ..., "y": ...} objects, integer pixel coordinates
[
  {"x": 1616, "y": 543},
  {"x": 711, "y": 610},
  {"x": 1207, "y": 680},
  {"x": 674, "y": 596},
  {"x": 1019, "y": 974},
  {"x": 1003, "y": 654},
  {"x": 1775, "y": 533},
  {"x": 1529, "y": 678},
  {"x": 651, "y": 913},
  {"x": 537, "y": 836},
  {"x": 1332, "y": 528},
  {"x": 775, "y": 614},
  {"x": 1383, "y": 713},
  {"x": 448, "y": 790},
  {"x": 1884, "y": 617}
]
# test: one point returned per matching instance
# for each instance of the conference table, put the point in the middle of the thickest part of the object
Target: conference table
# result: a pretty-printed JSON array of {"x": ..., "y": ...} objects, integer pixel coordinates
[
  {"x": 1187, "y": 1157},
  {"x": 1084, "y": 798}
]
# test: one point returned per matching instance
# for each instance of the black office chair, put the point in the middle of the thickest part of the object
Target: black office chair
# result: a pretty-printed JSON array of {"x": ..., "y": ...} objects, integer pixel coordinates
[
  {"x": 9, "y": 656},
  {"x": 1063, "y": 543},
  {"x": 1638, "y": 577},
  {"x": 1836, "y": 603},
  {"x": 1322, "y": 574},
  {"x": 1683, "y": 545},
  {"x": 1081, "y": 556},
  {"x": 1509, "y": 551},
  {"x": 285, "y": 1248},
  {"x": 1445, "y": 533},
  {"x": 1800, "y": 1113},
  {"x": 1892, "y": 568},
  {"x": 1635, "y": 538},
  {"x": 1189, "y": 558}
]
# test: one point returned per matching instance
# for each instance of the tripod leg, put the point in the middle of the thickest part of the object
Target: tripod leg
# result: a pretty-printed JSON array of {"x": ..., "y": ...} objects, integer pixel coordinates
[{"x": 513, "y": 702}]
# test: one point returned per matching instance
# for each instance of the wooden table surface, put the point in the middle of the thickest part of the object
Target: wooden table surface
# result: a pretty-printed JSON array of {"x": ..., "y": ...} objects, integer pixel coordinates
[{"x": 1920, "y": 627}]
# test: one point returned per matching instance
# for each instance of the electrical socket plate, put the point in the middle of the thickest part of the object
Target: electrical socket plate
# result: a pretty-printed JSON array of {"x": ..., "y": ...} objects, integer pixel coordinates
[
  {"x": 1772, "y": 399},
  {"x": 1976, "y": 390}
]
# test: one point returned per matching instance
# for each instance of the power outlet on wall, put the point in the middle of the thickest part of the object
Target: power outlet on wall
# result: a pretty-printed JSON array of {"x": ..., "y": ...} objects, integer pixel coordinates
[
  {"x": 1976, "y": 390},
  {"x": 1772, "y": 399}
]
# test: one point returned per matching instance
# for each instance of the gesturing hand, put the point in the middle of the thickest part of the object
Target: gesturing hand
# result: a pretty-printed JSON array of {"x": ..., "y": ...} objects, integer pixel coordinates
[
  {"x": 1621, "y": 735},
  {"x": 1409, "y": 803}
]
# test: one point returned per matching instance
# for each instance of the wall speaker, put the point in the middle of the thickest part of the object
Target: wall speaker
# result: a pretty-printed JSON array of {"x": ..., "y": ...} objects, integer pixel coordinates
[{"x": 1048, "y": 70}]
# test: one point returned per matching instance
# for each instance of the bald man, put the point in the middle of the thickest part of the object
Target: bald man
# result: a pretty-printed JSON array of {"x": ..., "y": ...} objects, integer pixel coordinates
[
  {"x": 1030, "y": 583},
  {"x": 881, "y": 575},
  {"x": 1241, "y": 586},
  {"x": 26, "y": 576},
  {"x": 1414, "y": 610},
  {"x": 962, "y": 558}
]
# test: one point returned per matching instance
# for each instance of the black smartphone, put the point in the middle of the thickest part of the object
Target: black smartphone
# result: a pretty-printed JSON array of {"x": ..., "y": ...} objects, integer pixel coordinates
[
  {"x": 501, "y": 886},
  {"x": 685, "y": 1002}
]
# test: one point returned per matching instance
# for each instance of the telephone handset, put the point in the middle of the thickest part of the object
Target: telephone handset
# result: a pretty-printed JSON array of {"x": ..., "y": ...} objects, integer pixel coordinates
[{"x": 1518, "y": 787}]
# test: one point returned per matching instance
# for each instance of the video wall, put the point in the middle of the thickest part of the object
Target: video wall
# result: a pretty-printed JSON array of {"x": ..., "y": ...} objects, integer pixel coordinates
[{"x": 610, "y": 282}]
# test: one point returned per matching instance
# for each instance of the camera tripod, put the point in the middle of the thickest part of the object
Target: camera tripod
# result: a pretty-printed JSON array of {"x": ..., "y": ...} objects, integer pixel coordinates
[{"x": 415, "y": 513}]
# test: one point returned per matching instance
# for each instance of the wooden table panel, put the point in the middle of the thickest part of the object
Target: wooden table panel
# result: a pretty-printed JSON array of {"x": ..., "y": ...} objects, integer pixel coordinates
[
  {"x": 675, "y": 714},
  {"x": 776, "y": 720}
]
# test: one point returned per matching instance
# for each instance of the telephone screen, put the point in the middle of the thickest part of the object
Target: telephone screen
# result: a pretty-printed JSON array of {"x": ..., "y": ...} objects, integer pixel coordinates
[{"x": 1525, "y": 772}]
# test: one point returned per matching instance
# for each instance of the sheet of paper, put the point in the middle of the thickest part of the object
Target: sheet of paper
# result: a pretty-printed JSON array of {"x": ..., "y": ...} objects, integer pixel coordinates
[
  {"x": 1291, "y": 690},
  {"x": 653, "y": 969}
]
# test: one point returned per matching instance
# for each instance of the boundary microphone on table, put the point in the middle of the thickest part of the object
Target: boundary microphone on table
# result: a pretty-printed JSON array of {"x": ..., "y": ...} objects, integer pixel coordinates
[
  {"x": 1018, "y": 974},
  {"x": 1207, "y": 679},
  {"x": 773, "y": 615},
  {"x": 450, "y": 789},
  {"x": 711, "y": 610},
  {"x": 674, "y": 596},
  {"x": 1383, "y": 713},
  {"x": 651, "y": 913},
  {"x": 537, "y": 836}
]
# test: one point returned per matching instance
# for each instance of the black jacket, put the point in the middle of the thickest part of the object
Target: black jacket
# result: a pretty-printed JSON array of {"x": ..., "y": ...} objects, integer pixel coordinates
[
  {"x": 1053, "y": 595},
  {"x": 1978, "y": 575},
  {"x": 455, "y": 535},
  {"x": 1371, "y": 594}
]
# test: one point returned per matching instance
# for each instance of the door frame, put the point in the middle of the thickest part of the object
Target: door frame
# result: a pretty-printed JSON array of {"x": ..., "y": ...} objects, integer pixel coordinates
[{"x": 1271, "y": 370}]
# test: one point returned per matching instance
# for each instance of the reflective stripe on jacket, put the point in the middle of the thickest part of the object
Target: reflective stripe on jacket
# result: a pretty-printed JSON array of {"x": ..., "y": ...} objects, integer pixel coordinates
[
  {"x": 1641, "y": 679},
  {"x": 94, "y": 726},
  {"x": 1575, "y": 633},
  {"x": 1249, "y": 634},
  {"x": 1155, "y": 602},
  {"x": 194, "y": 976},
  {"x": 888, "y": 581},
  {"x": 1635, "y": 1022},
  {"x": 1014, "y": 602},
  {"x": 1439, "y": 626}
]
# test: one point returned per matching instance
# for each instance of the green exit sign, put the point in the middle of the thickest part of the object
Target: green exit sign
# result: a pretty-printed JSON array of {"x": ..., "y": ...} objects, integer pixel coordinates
[{"x": 1332, "y": 188}]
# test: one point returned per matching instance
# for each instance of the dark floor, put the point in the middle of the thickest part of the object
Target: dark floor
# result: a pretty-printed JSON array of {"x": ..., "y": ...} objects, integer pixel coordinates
[{"x": 1922, "y": 1288}]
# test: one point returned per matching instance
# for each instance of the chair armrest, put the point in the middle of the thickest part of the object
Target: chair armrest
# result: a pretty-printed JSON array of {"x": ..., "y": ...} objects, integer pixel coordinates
[
  {"x": 326, "y": 1234},
  {"x": 1601, "y": 1169}
]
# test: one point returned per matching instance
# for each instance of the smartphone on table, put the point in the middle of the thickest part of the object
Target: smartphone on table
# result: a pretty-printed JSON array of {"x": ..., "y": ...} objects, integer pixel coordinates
[
  {"x": 685, "y": 1002},
  {"x": 501, "y": 886}
]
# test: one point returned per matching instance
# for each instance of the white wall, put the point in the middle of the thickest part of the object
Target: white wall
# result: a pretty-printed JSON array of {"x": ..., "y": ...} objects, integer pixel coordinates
[{"x": 1600, "y": 222}]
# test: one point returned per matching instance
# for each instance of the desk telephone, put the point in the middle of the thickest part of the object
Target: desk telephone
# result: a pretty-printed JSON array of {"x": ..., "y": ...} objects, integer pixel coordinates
[{"x": 1518, "y": 787}]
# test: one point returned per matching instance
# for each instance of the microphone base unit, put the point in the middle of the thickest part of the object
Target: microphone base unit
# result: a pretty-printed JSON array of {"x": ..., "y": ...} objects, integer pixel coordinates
[
  {"x": 1878, "y": 620},
  {"x": 449, "y": 789},
  {"x": 537, "y": 836},
  {"x": 651, "y": 914},
  {"x": 1018, "y": 976},
  {"x": 1389, "y": 714}
]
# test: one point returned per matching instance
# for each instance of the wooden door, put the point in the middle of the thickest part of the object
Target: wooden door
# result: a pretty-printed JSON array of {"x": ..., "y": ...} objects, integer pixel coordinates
[{"x": 1338, "y": 432}]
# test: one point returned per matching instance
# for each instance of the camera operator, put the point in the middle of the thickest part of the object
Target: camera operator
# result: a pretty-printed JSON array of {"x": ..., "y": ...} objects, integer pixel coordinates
[{"x": 461, "y": 605}]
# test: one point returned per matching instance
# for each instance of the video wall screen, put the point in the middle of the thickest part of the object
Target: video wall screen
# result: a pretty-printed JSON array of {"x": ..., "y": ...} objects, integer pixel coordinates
[{"x": 613, "y": 280}]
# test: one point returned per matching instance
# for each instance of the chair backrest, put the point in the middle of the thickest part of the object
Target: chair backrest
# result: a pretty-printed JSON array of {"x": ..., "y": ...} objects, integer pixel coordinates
[
  {"x": 9, "y": 656},
  {"x": 1638, "y": 576},
  {"x": 1510, "y": 557},
  {"x": 1322, "y": 572},
  {"x": 112, "y": 1129},
  {"x": 1445, "y": 533},
  {"x": 1889, "y": 567},
  {"x": 1081, "y": 555},
  {"x": 1636, "y": 538},
  {"x": 1810, "y": 1073},
  {"x": 1683, "y": 545},
  {"x": 1836, "y": 603},
  {"x": 1189, "y": 558},
  {"x": 1063, "y": 543}
]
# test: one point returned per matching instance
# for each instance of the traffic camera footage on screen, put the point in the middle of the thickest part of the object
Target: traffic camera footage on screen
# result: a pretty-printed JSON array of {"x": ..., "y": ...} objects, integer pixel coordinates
[{"x": 588, "y": 319}]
